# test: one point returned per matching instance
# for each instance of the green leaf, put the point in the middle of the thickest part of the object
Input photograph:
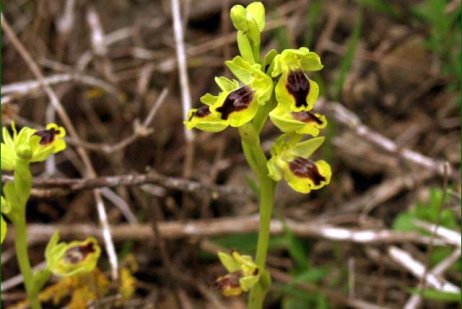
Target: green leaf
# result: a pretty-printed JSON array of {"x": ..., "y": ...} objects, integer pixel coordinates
[
  {"x": 311, "y": 275},
  {"x": 349, "y": 56},
  {"x": 290, "y": 302},
  {"x": 312, "y": 16},
  {"x": 404, "y": 222},
  {"x": 439, "y": 254},
  {"x": 296, "y": 249},
  {"x": 245, "y": 242},
  {"x": 438, "y": 295},
  {"x": 380, "y": 6}
]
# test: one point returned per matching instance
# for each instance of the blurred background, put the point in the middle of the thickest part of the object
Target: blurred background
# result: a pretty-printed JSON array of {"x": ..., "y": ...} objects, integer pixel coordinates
[{"x": 390, "y": 89}]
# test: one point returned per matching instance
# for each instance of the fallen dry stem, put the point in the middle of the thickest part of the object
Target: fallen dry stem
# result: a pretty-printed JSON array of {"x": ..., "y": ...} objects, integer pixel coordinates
[
  {"x": 151, "y": 177},
  {"x": 353, "y": 122},
  {"x": 227, "y": 226}
]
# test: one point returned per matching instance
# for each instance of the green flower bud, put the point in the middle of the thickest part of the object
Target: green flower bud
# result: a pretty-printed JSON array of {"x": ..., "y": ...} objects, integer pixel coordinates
[
  {"x": 257, "y": 11},
  {"x": 253, "y": 13},
  {"x": 238, "y": 16},
  {"x": 77, "y": 257}
]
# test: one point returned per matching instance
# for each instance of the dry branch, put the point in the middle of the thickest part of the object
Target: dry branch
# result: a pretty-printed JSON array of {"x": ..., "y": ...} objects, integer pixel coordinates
[
  {"x": 418, "y": 270},
  {"x": 353, "y": 122},
  {"x": 151, "y": 177},
  {"x": 40, "y": 233}
]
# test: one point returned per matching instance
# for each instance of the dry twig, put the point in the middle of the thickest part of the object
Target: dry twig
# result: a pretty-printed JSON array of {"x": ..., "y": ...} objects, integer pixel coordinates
[
  {"x": 224, "y": 226},
  {"x": 151, "y": 177},
  {"x": 415, "y": 300},
  {"x": 418, "y": 270},
  {"x": 352, "y": 121}
]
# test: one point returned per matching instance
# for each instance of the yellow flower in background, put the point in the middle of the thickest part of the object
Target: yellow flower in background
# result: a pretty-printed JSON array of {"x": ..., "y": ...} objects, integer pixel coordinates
[
  {"x": 30, "y": 145},
  {"x": 71, "y": 259},
  {"x": 46, "y": 142},
  {"x": 243, "y": 274}
]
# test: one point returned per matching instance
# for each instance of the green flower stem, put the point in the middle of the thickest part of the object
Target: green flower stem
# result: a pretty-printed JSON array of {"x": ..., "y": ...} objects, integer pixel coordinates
[
  {"x": 257, "y": 161},
  {"x": 22, "y": 255},
  {"x": 22, "y": 185}
]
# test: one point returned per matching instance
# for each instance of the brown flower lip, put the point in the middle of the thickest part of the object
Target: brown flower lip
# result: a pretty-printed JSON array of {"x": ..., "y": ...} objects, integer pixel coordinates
[
  {"x": 230, "y": 280},
  {"x": 237, "y": 100},
  {"x": 306, "y": 169},
  {"x": 201, "y": 112},
  {"x": 306, "y": 117},
  {"x": 47, "y": 136},
  {"x": 298, "y": 85},
  {"x": 77, "y": 254}
]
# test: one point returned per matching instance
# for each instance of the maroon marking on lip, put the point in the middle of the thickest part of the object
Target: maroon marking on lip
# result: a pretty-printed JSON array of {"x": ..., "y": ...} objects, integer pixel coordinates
[
  {"x": 230, "y": 280},
  {"x": 47, "y": 136},
  {"x": 237, "y": 100},
  {"x": 201, "y": 112},
  {"x": 77, "y": 254},
  {"x": 298, "y": 85},
  {"x": 306, "y": 117},
  {"x": 306, "y": 169}
]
